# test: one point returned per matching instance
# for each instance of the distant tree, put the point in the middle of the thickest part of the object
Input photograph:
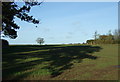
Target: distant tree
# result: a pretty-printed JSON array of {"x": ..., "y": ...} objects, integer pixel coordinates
[
  {"x": 116, "y": 35},
  {"x": 96, "y": 35},
  {"x": 103, "y": 37},
  {"x": 40, "y": 40},
  {"x": 90, "y": 41},
  {"x": 109, "y": 32},
  {"x": 10, "y": 11},
  {"x": 109, "y": 38}
]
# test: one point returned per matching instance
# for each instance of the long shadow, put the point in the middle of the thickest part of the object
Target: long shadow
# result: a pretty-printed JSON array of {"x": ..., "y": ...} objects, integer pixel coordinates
[
  {"x": 25, "y": 48},
  {"x": 60, "y": 58}
]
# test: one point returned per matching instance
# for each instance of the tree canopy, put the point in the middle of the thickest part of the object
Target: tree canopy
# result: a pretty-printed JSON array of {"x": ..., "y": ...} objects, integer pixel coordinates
[
  {"x": 40, "y": 40},
  {"x": 10, "y": 11}
]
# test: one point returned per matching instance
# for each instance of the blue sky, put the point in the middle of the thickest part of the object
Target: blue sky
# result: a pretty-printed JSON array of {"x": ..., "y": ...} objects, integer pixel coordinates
[{"x": 68, "y": 22}]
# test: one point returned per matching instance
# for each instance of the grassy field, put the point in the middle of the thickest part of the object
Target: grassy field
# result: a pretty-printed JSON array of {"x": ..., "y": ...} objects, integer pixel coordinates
[{"x": 60, "y": 62}]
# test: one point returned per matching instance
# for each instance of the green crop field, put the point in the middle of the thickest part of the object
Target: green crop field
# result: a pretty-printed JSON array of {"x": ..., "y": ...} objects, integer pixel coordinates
[{"x": 60, "y": 62}]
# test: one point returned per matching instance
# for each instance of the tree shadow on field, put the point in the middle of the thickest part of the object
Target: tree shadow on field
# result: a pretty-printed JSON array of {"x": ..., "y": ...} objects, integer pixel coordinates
[{"x": 60, "y": 58}]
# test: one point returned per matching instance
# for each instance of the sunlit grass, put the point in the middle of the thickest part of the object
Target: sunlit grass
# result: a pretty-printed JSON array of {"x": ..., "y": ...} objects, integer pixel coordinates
[
  {"x": 72, "y": 62},
  {"x": 30, "y": 52}
]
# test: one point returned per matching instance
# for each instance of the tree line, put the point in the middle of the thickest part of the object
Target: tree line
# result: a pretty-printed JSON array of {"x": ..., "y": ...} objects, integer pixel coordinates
[{"x": 109, "y": 38}]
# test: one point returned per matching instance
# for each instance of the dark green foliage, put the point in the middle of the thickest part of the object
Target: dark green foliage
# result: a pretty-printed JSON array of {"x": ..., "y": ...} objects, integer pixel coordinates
[
  {"x": 10, "y": 10},
  {"x": 5, "y": 43}
]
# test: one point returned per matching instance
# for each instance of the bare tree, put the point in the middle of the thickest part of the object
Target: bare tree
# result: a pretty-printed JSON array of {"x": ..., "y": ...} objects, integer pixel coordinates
[
  {"x": 96, "y": 36},
  {"x": 117, "y": 35}
]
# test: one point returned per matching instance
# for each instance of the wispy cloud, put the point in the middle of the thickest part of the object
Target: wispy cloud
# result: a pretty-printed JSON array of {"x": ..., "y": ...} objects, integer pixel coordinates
[
  {"x": 76, "y": 23},
  {"x": 45, "y": 29},
  {"x": 68, "y": 37},
  {"x": 70, "y": 33}
]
